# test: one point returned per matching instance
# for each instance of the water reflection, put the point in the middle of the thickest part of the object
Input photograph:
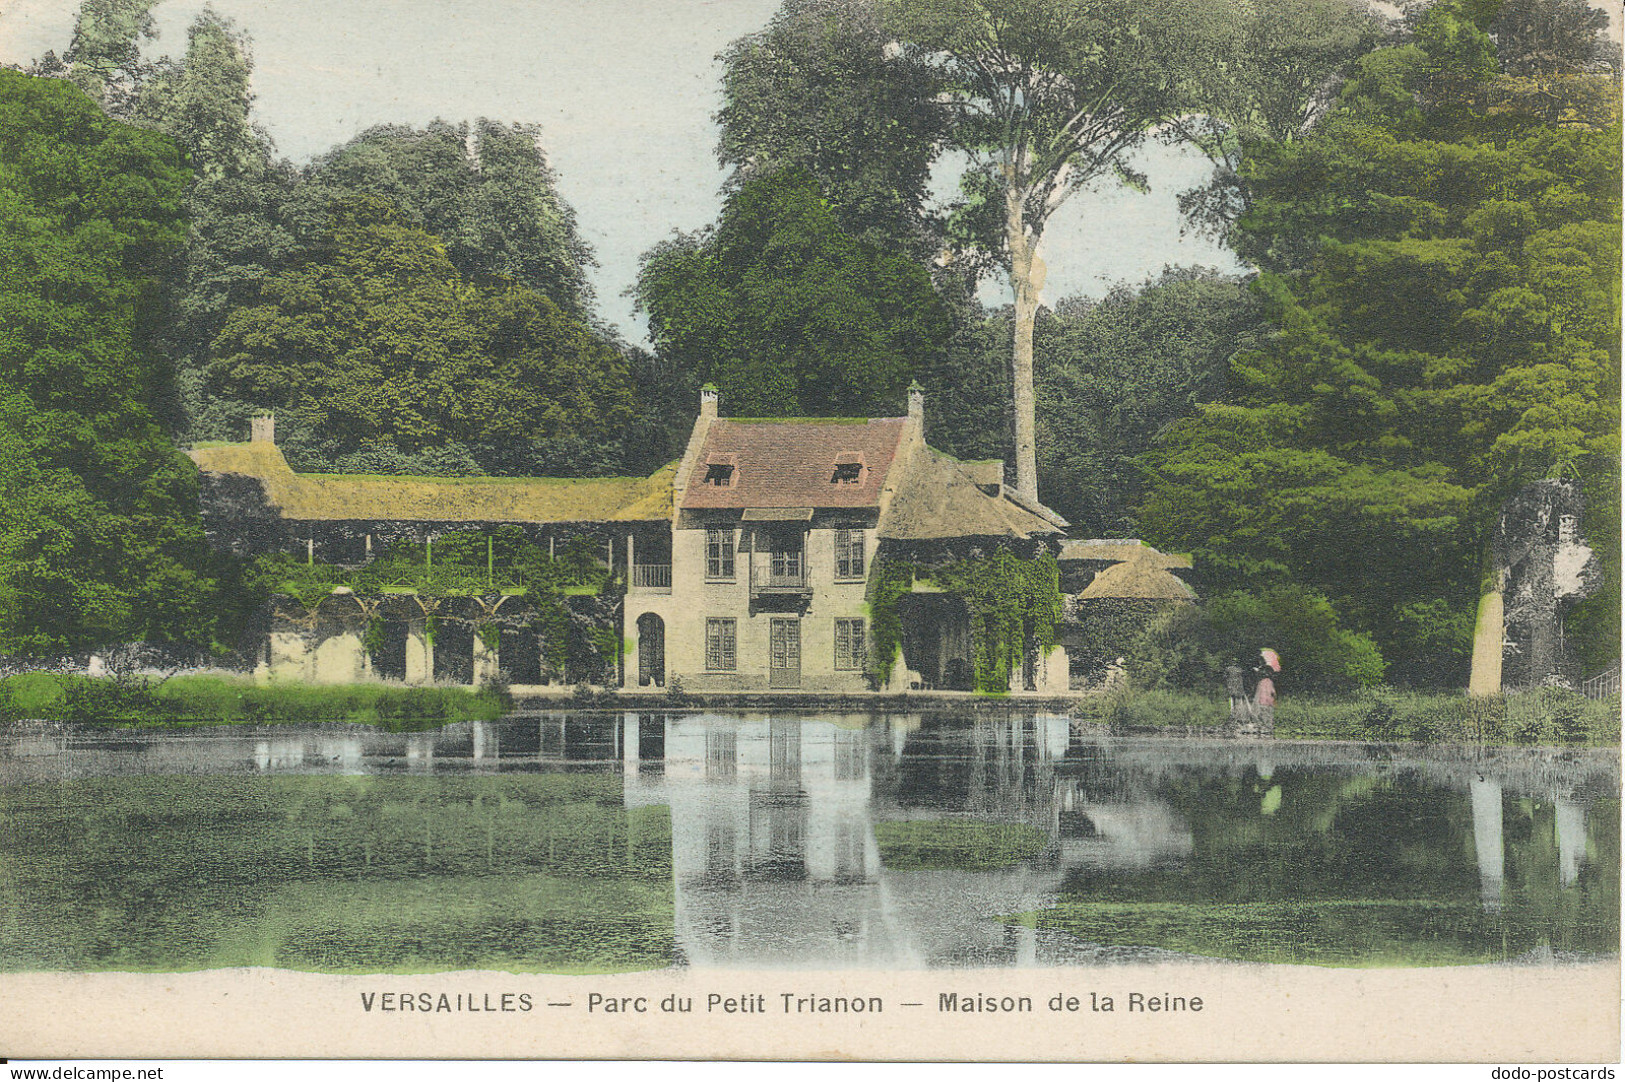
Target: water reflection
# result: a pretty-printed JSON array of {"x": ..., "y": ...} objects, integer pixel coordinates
[{"x": 855, "y": 841}]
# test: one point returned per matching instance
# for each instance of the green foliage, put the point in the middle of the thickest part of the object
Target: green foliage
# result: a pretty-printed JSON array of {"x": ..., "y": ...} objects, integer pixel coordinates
[
  {"x": 787, "y": 313},
  {"x": 99, "y": 537},
  {"x": 130, "y": 700},
  {"x": 1112, "y": 374},
  {"x": 1260, "y": 72},
  {"x": 825, "y": 90},
  {"x": 104, "y": 57},
  {"x": 1549, "y": 717},
  {"x": 1012, "y": 600},
  {"x": 1189, "y": 646},
  {"x": 1443, "y": 273},
  {"x": 378, "y": 350},
  {"x": 495, "y": 206}
]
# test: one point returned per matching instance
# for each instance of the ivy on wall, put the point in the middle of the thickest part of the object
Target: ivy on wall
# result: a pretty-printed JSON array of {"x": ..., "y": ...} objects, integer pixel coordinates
[
  {"x": 475, "y": 564},
  {"x": 1005, "y": 594}
]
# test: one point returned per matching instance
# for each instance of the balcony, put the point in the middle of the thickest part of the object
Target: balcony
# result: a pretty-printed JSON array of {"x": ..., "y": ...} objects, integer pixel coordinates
[
  {"x": 652, "y": 578},
  {"x": 781, "y": 581}
]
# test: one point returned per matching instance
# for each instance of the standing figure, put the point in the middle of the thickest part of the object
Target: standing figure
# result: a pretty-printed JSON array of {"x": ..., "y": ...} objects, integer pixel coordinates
[
  {"x": 1264, "y": 693},
  {"x": 1241, "y": 708}
]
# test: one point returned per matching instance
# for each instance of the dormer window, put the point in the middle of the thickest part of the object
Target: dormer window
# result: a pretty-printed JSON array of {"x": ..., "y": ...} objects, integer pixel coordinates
[
  {"x": 848, "y": 470},
  {"x": 719, "y": 471}
]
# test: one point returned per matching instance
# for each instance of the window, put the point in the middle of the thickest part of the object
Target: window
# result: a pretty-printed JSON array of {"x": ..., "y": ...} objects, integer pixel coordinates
[
  {"x": 720, "y": 655},
  {"x": 847, "y": 473},
  {"x": 719, "y": 555},
  {"x": 719, "y": 470},
  {"x": 849, "y": 554},
  {"x": 850, "y": 652},
  {"x": 784, "y": 557}
]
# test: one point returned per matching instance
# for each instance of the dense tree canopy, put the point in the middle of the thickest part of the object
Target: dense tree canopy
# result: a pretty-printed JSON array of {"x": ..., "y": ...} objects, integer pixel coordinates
[
  {"x": 1445, "y": 290},
  {"x": 99, "y": 538},
  {"x": 1113, "y": 373},
  {"x": 485, "y": 189},
  {"x": 788, "y": 313},
  {"x": 825, "y": 90},
  {"x": 1260, "y": 70},
  {"x": 380, "y": 355}
]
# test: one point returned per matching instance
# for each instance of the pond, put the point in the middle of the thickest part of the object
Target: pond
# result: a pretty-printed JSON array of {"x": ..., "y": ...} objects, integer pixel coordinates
[{"x": 597, "y": 841}]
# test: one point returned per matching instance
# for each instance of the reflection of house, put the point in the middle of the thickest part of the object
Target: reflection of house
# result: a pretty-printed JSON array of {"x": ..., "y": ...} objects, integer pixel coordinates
[
  {"x": 775, "y": 859},
  {"x": 745, "y": 566}
]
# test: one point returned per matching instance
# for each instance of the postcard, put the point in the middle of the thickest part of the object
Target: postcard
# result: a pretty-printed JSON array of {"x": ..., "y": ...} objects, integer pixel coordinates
[{"x": 936, "y": 530}]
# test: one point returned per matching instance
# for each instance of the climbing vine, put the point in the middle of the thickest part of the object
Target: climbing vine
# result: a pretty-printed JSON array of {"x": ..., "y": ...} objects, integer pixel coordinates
[{"x": 1005, "y": 594}]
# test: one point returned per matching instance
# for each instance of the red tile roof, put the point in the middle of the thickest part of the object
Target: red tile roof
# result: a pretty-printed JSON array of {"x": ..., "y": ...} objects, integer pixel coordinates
[{"x": 789, "y": 463}]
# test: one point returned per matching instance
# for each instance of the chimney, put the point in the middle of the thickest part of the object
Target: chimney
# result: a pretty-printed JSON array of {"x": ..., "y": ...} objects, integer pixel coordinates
[
  {"x": 916, "y": 401},
  {"x": 708, "y": 401},
  {"x": 262, "y": 429}
]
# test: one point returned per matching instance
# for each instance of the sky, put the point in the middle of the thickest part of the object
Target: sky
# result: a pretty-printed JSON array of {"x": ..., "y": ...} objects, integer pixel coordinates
[{"x": 624, "y": 91}]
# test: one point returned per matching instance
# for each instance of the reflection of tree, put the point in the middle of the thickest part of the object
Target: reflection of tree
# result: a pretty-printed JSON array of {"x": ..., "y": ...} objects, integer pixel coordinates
[
  {"x": 331, "y": 873},
  {"x": 1327, "y": 836}
]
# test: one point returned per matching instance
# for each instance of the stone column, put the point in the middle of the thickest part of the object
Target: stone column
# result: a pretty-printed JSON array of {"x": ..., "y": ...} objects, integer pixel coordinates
[
  {"x": 419, "y": 654},
  {"x": 487, "y": 662},
  {"x": 290, "y": 656}
]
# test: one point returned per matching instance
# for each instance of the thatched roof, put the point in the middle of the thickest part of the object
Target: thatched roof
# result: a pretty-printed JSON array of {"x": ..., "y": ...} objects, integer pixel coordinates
[
  {"x": 309, "y": 497},
  {"x": 1139, "y": 580},
  {"x": 1120, "y": 550},
  {"x": 938, "y": 498}
]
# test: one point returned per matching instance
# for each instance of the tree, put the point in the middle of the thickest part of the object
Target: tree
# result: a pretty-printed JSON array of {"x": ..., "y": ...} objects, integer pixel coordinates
[
  {"x": 786, "y": 312},
  {"x": 1052, "y": 95},
  {"x": 104, "y": 57},
  {"x": 99, "y": 535},
  {"x": 1114, "y": 373},
  {"x": 1261, "y": 70},
  {"x": 235, "y": 208},
  {"x": 823, "y": 89},
  {"x": 1445, "y": 297},
  {"x": 381, "y": 356},
  {"x": 485, "y": 189}
]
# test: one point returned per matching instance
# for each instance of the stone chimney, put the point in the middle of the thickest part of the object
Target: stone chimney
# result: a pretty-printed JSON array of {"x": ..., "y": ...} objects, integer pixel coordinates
[
  {"x": 708, "y": 401},
  {"x": 262, "y": 429},
  {"x": 916, "y": 401}
]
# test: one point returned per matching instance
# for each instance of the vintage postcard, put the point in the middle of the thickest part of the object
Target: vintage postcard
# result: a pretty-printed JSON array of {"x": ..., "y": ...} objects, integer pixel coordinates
[{"x": 1049, "y": 530}]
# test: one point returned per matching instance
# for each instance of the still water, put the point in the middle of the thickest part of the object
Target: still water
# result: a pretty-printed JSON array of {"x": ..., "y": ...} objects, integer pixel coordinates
[{"x": 593, "y": 841}]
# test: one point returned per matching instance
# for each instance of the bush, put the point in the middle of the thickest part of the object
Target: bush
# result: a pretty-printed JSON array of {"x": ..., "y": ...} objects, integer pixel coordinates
[{"x": 1190, "y": 646}]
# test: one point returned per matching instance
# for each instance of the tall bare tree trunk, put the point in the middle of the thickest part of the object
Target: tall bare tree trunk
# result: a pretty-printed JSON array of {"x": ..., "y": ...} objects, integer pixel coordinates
[{"x": 1027, "y": 279}]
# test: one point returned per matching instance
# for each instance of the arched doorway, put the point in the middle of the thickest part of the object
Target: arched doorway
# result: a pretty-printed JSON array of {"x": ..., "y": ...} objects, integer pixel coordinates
[{"x": 651, "y": 650}]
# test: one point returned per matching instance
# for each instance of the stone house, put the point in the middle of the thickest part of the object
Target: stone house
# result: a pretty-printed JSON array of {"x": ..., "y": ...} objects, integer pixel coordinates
[
  {"x": 744, "y": 566},
  {"x": 775, "y": 528}
]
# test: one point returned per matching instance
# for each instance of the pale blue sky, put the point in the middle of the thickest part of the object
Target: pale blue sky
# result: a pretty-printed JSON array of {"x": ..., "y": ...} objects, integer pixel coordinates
[{"x": 624, "y": 91}]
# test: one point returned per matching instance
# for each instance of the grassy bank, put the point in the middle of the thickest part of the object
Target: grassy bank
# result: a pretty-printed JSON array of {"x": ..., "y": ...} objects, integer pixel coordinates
[
  {"x": 215, "y": 700},
  {"x": 1545, "y": 716}
]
